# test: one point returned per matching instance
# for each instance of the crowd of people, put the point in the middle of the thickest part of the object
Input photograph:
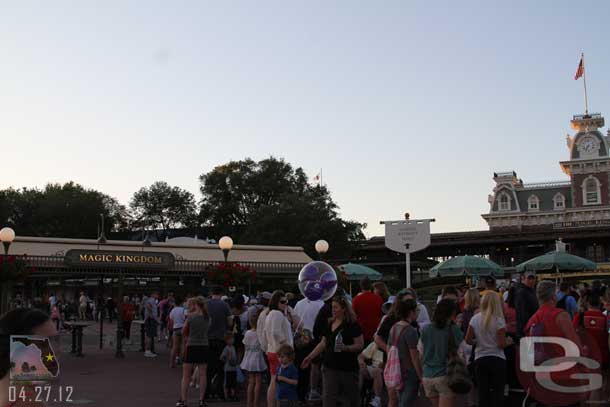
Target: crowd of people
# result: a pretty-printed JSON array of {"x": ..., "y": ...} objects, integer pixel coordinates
[{"x": 375, "y": 349}]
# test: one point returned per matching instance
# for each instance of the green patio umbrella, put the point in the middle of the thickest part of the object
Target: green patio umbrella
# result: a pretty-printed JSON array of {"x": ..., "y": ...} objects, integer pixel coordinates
[
  {"x": 556, "y": 261},
  {"x": 358, "y": 272},
  {"x": 466, "y": 266}
]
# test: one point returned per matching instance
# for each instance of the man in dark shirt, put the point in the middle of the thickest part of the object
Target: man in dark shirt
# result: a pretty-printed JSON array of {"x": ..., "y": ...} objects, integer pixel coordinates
[
  {"x": 526, "y": 303},
  {"x": 221, "y": 321}
]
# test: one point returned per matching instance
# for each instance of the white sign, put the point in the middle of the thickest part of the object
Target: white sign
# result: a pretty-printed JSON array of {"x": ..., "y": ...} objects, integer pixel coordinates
[{"x": 415, "y": 233}]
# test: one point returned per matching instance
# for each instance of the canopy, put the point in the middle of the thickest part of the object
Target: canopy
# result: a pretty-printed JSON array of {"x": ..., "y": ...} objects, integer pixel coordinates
[
  {"x": 359, "y": 271},
  {"x": 466, "y": 266},
  {"x": 556, "y": 261}
]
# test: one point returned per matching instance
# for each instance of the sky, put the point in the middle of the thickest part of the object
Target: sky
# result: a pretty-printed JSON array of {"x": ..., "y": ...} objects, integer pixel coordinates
[{"x": 404, "y": 105}]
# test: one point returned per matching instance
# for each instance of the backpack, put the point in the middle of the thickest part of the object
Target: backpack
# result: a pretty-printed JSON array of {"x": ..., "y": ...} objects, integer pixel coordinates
[{"x": 392, "y": 373}]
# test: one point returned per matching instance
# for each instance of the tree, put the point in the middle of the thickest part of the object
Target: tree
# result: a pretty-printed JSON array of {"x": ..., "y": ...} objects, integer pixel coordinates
[
  {"x": 270, "y": 202},
  {"x": 164, "y": 207},
  {"x": 68, "y": 210}
]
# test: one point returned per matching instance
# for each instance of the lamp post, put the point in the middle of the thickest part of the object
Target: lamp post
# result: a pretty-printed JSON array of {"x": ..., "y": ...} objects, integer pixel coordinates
[
  {"x": 226, "y": 244},
  {"x": 7, "y": 235},
  {"x": 321, "y": 248}
]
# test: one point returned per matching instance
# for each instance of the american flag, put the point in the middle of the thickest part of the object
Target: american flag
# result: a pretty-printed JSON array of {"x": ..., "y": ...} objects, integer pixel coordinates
[{"x": 580, "y": 70}]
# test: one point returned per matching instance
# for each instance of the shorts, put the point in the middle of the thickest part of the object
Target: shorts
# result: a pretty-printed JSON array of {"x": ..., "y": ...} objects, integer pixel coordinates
[
  {"x": 150, "y": 326},
  {"x": 177, "y": 332},
  {"x": 197, "y": 355},
  {"x": 437, "y": 387},
  {"x": 231, "y": 379},
  {"x": 371, "y": 370},
  {"x": 274, "y": 363}
]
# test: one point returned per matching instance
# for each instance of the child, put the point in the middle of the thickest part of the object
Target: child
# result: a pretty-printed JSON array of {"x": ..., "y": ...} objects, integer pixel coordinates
[
  {"x": 229, "y": 356},
  {"x": 253, "y": 363},
  {"x": 287, "y": 378}
]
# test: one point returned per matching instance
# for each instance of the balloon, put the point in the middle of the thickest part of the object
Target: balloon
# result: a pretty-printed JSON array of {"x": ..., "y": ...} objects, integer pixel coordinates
[{"x": 317, "y": 281}]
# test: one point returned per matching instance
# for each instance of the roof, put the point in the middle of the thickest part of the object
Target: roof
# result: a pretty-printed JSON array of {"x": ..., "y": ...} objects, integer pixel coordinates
[
  {"x": 545, "y": 197},
  {"x": 199, "y": 251}
]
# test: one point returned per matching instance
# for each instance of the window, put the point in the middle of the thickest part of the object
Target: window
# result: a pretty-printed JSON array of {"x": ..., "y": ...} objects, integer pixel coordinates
[
  {"x": 591, "y": 191},
  {"x": 504, "y": 202},
  {"x": 533, "y": 203},
  {"x": 559, "y": 201}
]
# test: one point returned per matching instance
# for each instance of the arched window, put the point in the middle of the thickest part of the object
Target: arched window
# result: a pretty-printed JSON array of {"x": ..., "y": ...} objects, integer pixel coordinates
[
  {"x": 559, "y": 201},
  {"x": 504, "y": 202},
  {"x": 533, "y": 203},
  {"x": 591, "y": 191}
]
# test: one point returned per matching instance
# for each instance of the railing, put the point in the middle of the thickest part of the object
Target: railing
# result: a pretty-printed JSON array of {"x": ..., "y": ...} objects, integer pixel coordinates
[{"x": 550, "y": 184}]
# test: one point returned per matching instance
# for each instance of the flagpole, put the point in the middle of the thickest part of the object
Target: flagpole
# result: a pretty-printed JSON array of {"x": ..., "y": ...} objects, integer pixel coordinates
[
  {"x": 321, "y": 182},
  {"x": 584, "y": 82}
]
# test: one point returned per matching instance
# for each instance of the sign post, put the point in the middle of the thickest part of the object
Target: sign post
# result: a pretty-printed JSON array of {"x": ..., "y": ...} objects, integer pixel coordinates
[{"x": 407, "y": 236}]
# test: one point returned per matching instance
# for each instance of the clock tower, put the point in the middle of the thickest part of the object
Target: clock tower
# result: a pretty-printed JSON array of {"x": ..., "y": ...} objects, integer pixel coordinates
[{"x": 589, "y": 164}]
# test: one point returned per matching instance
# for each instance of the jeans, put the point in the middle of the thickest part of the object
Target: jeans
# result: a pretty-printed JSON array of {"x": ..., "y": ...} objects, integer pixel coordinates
[
  {"x": 338, "y": 382},
  {"x": 408, "y": 394},
  {"x": 491, "y": 377}
]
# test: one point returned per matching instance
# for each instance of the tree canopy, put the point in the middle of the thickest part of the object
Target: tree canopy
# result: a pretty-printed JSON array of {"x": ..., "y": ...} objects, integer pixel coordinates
[
  {"x": 270, "y": 202},
  {"x": 67, "y": 210}
]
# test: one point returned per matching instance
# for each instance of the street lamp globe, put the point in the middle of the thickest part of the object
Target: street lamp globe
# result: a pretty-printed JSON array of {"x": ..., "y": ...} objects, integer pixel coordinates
[
  {"x": 321, "y": 246},
  {"x": 225, "y": 243},
  {"x": 7, "y": 235}
]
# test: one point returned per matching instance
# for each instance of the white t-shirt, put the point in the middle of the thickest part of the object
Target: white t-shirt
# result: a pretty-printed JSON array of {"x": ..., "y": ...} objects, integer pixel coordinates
[
  {"x": 308, "y": 310},
  {"x": 487, "y": 341},
  {"x": 178, "y": 315}
]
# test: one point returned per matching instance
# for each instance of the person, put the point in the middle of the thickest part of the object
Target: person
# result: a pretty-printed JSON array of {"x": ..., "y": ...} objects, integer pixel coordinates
[
  {"x": 367, "y": 306},
  {"x": 151, "y": 322},
  {"x": 177, "y": 318},
  {"x": 287, "y": 377},
  {"x": 526, "y": 304},
  {"x": 99, "y": 308},
  {"x": 307, "y": 310},
  {"x": 472, "y": 301},
  {"x": 164, "y": 309},
  {"x": 565, "y": 300},
  {"x": 195, "y": 350},
  {"x": 253, "y": 363},
  {"x": 56, "y": 314},
  {"x": 229, "y": 357},
  {"x": 487, "y": 329},
  {"x": 381, "y": 290},
  {"x": 221, "y": 322},
  {"x": 20, "y": 321},
  {"x": 111, "y": 308},
  {"x": 405, "y": 336},
  {"x": 238, "y": 312},
  {"x": 371, "y": 363},
  {"x": 341, "y": 343},
  {"x": 489, "y": 286},
  {"x": 423, "y": 317},
  {"x": 128, "y": 312},
  {"x": 277, "y": 332},
  {"x": 555, "y": 323},
  {"x": 82, "y": 306},
  {"x": 510, "y": 316},
  {"x": 434, "y": 343},
  {"x": 595, "y": 323},
  {"x": 450, "y": 293}
]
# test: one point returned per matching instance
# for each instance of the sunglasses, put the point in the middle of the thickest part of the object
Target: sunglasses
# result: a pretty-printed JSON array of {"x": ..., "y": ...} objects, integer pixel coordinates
[
  {"x": 531, "y": 277},
  {"x": 283, "y": 301}
]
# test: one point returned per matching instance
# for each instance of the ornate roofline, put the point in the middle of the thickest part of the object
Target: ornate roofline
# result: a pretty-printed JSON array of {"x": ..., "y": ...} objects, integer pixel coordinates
[{"x": 545, "y": 185}]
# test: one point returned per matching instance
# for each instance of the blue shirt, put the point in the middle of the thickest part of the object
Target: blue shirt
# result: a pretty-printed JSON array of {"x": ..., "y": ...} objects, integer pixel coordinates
[
  {"x": 284, "y": 390},
  {"x": 571, "y": 305}
]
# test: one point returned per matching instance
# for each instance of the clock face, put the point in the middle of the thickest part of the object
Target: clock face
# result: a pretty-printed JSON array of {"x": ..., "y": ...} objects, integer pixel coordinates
[{"x": 588, "y": 145}]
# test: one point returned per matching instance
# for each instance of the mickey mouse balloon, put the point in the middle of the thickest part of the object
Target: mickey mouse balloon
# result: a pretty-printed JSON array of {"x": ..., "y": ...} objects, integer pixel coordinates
[{"x": 317, "y": 281}]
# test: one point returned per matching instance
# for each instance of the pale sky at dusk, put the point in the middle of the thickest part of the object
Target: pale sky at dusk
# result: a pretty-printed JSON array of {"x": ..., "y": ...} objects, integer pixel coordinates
[{"x": 404, "y": 105}]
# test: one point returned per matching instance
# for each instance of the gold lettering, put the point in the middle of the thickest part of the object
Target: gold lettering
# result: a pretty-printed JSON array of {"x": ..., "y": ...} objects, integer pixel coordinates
[{"x": 82, "y": 257}]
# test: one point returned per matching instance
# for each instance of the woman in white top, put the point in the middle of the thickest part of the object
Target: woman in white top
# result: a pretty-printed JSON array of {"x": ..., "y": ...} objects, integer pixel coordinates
[
  {"x": 487, "y": 332},
  {"x": 277, "y": 332}
]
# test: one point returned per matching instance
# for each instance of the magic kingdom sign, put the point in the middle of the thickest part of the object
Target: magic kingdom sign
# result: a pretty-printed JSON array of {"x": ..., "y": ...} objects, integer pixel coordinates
[{"x": 119, "y": 259}]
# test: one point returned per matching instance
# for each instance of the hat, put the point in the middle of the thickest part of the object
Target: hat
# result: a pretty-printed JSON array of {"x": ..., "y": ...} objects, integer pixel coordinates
[
  {"x": 266, "y": 295},
  {"x": 385, "y": 308},
  {"x": 529, "y": 273}
]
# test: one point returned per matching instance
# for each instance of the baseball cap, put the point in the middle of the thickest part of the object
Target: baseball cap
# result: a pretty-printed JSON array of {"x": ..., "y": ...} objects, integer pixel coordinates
[{"x": 385, "y": 308}]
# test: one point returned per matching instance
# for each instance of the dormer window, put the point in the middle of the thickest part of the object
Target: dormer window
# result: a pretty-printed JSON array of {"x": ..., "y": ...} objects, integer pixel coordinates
[
  {"x": 533, "y": 203},
  {"x": 559, "y": 202},
  {"x": 591, "y": 191},
  {"x": 504, "y": 202}
]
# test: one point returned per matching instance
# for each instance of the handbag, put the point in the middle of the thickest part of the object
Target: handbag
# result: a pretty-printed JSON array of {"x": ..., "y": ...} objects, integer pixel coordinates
[{"x": 458, "y": 377}]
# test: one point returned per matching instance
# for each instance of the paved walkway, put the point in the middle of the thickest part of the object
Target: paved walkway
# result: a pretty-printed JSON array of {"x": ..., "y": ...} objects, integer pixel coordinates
[{"x": 101, "y": 380}]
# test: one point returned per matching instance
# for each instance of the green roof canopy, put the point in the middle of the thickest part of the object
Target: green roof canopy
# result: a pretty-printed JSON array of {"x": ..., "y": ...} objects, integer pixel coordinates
[
  {"x": 466, "y": 266},
  {"x": 556, "y": 261},
  {"x": 358, "y": 271}
]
